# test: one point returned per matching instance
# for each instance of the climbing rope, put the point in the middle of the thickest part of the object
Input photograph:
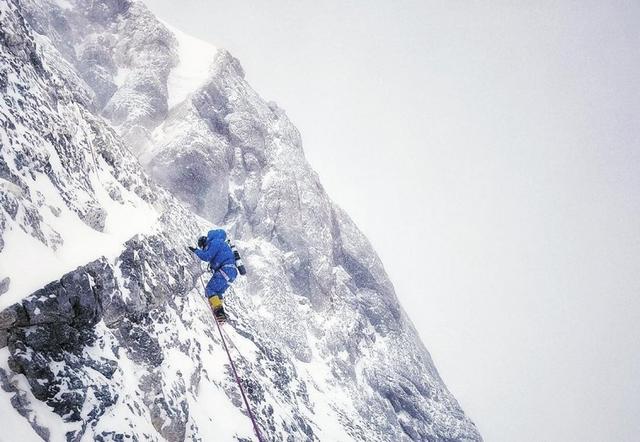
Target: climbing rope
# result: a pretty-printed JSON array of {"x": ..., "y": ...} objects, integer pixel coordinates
[
  {"x": 244, "y": 396},
  {"x": 256, "y": 429},
  {"x": 226, "y": 335}
]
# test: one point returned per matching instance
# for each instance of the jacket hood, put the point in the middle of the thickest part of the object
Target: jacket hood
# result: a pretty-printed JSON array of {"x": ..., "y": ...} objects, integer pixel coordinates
[{"x": 216, "y": 235}]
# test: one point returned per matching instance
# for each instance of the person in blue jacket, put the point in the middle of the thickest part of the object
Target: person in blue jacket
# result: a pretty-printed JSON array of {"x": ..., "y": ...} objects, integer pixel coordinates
[{"x": 215, "y": 250}]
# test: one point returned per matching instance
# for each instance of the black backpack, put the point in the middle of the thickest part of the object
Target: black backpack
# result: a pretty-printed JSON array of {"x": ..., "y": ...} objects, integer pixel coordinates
[{"x": 236, "y": 255}]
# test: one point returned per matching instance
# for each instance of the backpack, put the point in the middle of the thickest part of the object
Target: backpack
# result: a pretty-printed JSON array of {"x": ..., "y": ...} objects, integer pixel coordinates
[{"x": 236, "y": 255}]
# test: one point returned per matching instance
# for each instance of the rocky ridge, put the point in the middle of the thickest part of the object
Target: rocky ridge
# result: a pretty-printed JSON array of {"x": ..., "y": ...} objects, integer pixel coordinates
[{"x": 123, "y": 346}]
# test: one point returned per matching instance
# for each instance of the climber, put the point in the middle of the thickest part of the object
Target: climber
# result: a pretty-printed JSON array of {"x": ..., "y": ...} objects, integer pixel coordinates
[{"x": 217, "y": 251}]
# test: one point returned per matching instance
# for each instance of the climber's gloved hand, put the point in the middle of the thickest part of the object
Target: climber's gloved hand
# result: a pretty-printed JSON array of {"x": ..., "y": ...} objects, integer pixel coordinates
[{"x": 191, "y": 249}]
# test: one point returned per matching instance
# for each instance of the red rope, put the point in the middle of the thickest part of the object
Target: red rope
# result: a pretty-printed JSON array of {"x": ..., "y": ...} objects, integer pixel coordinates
[
  {"x": 244, "y": 396},
  {"x": 228, "y": 338},
  {"x": 235, "y": 373}
]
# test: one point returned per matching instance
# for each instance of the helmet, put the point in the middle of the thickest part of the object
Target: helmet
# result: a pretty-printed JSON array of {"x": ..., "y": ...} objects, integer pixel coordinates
[{"x": 202, "y": 242}]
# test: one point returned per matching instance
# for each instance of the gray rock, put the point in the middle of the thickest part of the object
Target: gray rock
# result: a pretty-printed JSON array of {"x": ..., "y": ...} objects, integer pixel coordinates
[
  {"x": 4, "y": 285},
  {"x": 14, "y": 315},
  {"x": 106, "y": 367},
  {"x": 56, "y": 211},
  {"x": 169, "y": 412},
  {"x": 52, "y": 338},
  {"x": 95, "y": 217},
  {"x": 21, "y": 404},
  {"x": 142, "y": 347},
  {"x": 48, "y": 305}
]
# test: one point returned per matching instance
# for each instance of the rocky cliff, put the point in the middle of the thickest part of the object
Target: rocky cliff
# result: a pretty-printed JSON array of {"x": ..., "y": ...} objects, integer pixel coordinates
[{"x": 119, "y": 147}]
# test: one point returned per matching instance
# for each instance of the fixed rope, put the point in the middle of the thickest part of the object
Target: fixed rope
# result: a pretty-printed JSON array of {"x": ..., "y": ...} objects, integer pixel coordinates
[
  {"x": 256, "y": 429},
  {"x": 226, "y": 335}
]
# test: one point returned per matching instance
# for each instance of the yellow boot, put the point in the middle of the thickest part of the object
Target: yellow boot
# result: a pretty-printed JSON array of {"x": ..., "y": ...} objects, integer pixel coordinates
[{"x": 218, "y": 308}]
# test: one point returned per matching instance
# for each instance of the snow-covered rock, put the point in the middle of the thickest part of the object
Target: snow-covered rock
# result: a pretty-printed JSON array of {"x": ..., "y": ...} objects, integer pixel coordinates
[{"x": 104, "y": 333}]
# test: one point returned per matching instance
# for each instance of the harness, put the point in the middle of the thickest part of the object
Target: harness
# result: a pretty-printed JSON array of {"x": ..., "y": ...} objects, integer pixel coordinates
[{"x": 223, "y": 273}]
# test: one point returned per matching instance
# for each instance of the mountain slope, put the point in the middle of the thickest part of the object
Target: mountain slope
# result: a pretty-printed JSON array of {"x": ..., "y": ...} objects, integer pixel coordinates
[{"x": 123, "y": 346}]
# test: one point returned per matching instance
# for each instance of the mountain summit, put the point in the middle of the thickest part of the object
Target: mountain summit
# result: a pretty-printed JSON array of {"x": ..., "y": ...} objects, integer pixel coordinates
[{"x": 123, "y": 140}]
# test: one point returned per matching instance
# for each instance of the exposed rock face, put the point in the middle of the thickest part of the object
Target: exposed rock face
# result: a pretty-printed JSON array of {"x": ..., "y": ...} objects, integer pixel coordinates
[
  {"x": 127, "y": 76},
  {"x": 51, "y": 328},
  {"x": 4, "y": 285},
  {"x": 123, "y": 347}
]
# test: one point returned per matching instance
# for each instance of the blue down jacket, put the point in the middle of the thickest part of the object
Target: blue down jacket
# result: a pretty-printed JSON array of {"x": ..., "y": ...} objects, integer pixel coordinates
[
  {"x": 217, "y": 251},
  {"x": 219, "y": 255}
]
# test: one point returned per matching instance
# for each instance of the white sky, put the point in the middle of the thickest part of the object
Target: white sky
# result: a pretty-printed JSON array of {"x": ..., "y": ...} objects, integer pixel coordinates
[{"x": 491, "y": 153}]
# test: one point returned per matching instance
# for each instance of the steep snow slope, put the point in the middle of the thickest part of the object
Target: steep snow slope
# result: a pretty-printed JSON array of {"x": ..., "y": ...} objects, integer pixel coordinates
[
  {"x": 194, "y": 62},
  {"x": 124, "y": 346},
  {"x": 67, "y": 203}
]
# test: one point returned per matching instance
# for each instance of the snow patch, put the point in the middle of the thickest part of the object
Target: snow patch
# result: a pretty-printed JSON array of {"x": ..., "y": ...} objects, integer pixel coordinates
[
  {"x": 120, "y": 77},
  {"x": 63, "y": 4},
  {"x": 32, "y": 264},
  {"x": 195, "y": 59},
  {"x": 8, "y": 186}
]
